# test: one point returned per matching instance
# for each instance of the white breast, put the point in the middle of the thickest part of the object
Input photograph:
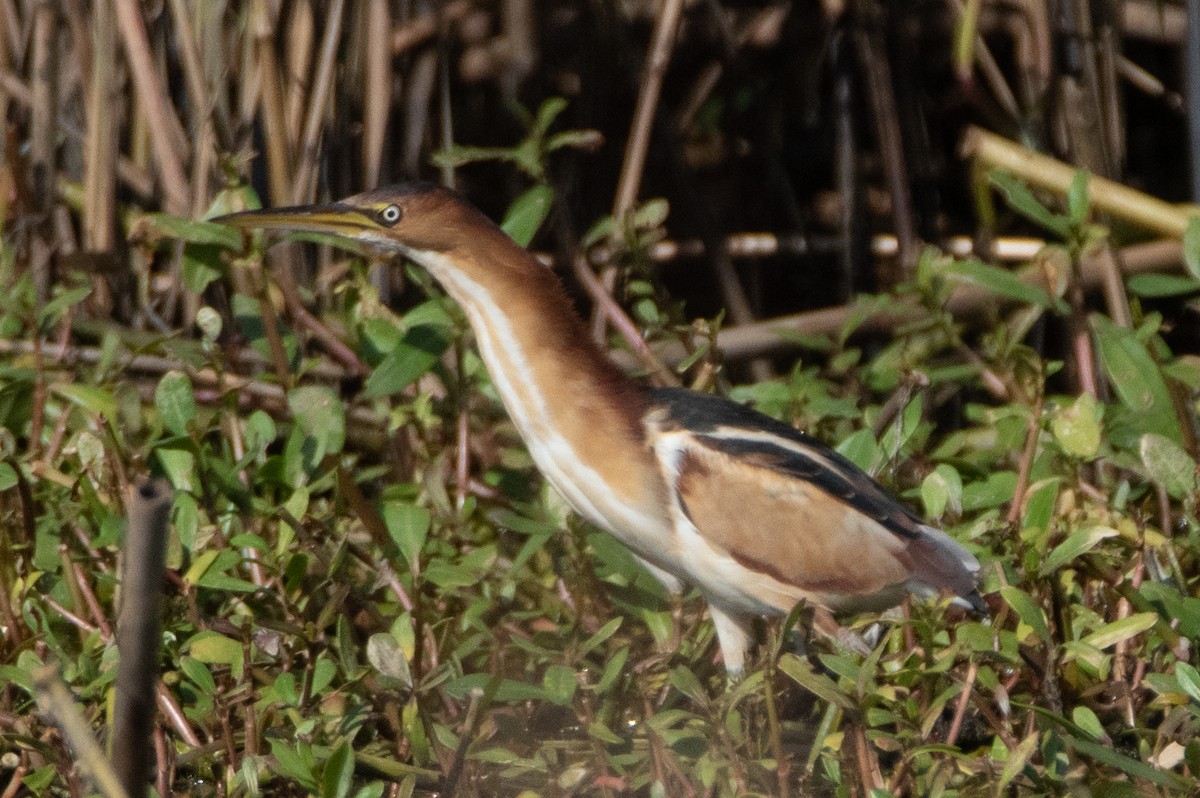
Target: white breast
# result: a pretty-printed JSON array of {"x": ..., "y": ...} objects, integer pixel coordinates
[{"x": 582, "y": 486}]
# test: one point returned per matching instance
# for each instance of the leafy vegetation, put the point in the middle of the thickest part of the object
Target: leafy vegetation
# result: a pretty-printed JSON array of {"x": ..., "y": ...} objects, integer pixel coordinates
[
  {"x": 370, "y": 590},
  {"x": 345, "y": 614}
]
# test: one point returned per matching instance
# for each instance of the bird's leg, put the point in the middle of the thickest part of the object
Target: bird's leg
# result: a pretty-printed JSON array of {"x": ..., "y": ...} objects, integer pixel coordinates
[
  {"x": 824, "y": 622},
  {"x": 734, "y": 633}
]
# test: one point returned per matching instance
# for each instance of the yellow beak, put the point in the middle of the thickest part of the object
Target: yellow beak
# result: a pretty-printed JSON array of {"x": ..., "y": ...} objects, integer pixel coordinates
[{"x": 337, "y": 218}]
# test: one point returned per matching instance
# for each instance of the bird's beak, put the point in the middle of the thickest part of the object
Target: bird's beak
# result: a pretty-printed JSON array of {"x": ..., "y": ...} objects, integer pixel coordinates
[{"x": 337, "y": 218}]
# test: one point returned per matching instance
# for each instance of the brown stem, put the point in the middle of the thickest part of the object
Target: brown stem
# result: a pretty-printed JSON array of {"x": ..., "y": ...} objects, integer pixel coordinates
[
  {"x": 169, "y": 140},
  {"x": 138, "y": 633},
  {"x": 279, "y": 358},
  {"x": 1032, "y": 432},
  {"x": 302, "y": 188},
  {"x": 55, "y": 700},
  {"x": 868, "y": 763},
  {"x": 303, "y": 318},
  {"x": 609, "y": 309},
  {"x": 878, "y": 75},
  {"x": 960, "y": 708},
  {"x": 666, "y": 27},
  {"x": 89, "y": 597}
]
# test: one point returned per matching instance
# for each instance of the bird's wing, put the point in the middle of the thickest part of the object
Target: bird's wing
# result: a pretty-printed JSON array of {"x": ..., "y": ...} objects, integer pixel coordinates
[{"x": 783, "y": 504}]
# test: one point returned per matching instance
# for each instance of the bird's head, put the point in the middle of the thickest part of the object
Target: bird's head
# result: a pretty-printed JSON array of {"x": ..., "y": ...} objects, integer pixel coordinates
[{"x": 411, "y": 219}]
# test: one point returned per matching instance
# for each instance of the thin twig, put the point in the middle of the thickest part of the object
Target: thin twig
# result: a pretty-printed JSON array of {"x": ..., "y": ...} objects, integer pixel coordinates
[
  {"x": 966, "y": 302},
  {"x": 306, "y": 167},
  {"x": 623, "y": 324},
  {"x": 663, "y": 39},
  {"x": 55, "y": 700},
  {"x": 277, "y": 148},
  {"x": 420, "y": 30},
  {"x": 960, "y": 708},
  {"x": 1107, "y": 196},
  {"x": 666, "y": 27},
  {"x": 377, "y": 87},
  {"x": 169, "y": 139},
  {"x": 1032, "y": 432},
  {"x": 873, "y": 53},
  {"x": 100, "y": 159}
]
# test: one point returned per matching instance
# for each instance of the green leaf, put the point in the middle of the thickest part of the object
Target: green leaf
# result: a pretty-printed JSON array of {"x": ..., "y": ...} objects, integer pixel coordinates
[
  {"x": 201, "y": 267},
  {"x": 338, "y": 774},
  {"x": 1162, "y": 285},
  {"x": 1079, "y": 198},
  {"x": 194, "y": 232},
  {"x": 1191, "y": 247},
  {"x": 175, "y": 401},
  {"x": 527, "y": 213},
  {"x": 1077, "y": 427},
  {"x": 1021, "y": 200},
  {"x": 1040, "y": 502},
  {"x": 1075, "y": 546},
  {"x": 1027, "y": 610},
  {"x": 1168, "y": 464},
  {"x": 296, "y": 762},
  {"x": 1184, "y": 369},
  {"x": 1018, "y": 758},
  {"x": 801, "y": 671},
  {"x": 185, "y": 517},
  {"x": 940, "y": 489},
  {"x": 605, "y": 632},
  {"x": 1136, "y": 377},
  {"x": 8, "y": 476},
  {"x": 63, "y": 300},
  {"x": 92, "y": 398},
  {"x": 683, "y": 680},
  {"x": 599, "y": 231},
  {"x": 992, "y": 491},
  {"x": 322, "y": 676},
  {"x": 260, "y": 433},
  {"x": 586, "y": 140},
  {"x": 448, "y": 575},
  {"x": 1119, "y": 631},
  {"x": 179, "y": 465},
  {"x": 408, "y": 526},
  {"x": 17, "y": 677},
  {"x": 613, "y": 670},
  {"x": 414, "y": 355},
  {"x": 1132, "y": 767},
  {"x": 458, "y": 155},
  {"x": 650, "y": 214},
  {"x": 861, "y": 448},
  {"x": 1189, "y": 680},
  {"x": 547, "y": 112},
  {"x": 386, "y": 656},
  {"x": 199, "y": 674},
  {"x": 1086, "y": 719},
  {"x": 1000, "y": 282},
  {"x": 213, "y": 648},
  {"x": 321, "y": 418},
  {"x": 1174, "y": 607},
  {"x": 560, "y": 683},
  {"x": 602, "y": 733}
]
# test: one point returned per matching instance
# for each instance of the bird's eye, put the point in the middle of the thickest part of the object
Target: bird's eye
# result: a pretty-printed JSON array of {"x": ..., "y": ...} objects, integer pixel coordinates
[{"x": 390, "y": 215}]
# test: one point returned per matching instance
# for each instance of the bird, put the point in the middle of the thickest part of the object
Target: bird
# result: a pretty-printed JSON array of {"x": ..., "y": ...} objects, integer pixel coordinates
[{"x": 706, "y": 492}]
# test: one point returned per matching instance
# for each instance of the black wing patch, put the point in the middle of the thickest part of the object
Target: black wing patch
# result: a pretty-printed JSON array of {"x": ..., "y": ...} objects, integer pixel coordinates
[{"x": 716, "y": 420}]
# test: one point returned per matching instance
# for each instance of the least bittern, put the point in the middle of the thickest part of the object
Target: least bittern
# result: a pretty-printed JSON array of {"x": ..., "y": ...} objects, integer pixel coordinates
[{"x": 707, "y": 492}]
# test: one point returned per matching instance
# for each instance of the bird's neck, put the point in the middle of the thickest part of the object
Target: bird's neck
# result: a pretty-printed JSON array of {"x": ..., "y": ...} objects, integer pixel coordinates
[{"x": 580, "y": 416}]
